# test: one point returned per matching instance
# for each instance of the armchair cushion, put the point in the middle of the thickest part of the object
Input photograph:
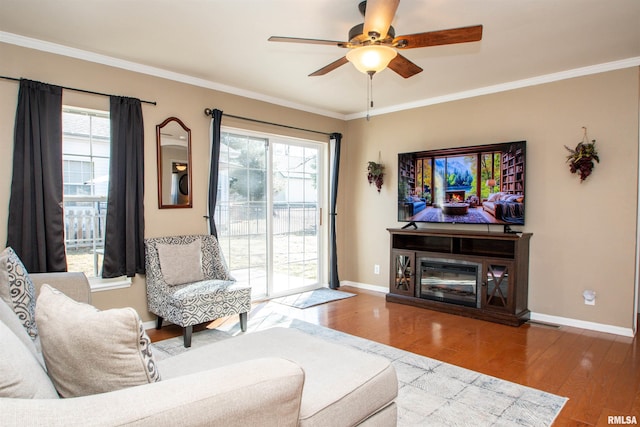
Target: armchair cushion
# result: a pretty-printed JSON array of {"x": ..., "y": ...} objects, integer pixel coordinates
[
  {"x": 17, "y": 290},
  {"x": 180, "y": 264},
  {"x": 214, "y": 265},
  {"x": 88, "y": 351}
]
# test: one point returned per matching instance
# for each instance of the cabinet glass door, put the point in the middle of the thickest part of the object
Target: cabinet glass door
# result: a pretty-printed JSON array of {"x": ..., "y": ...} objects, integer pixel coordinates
[
  {"x": 403, "y": 272},
  {"x": 498, "y": 290}
]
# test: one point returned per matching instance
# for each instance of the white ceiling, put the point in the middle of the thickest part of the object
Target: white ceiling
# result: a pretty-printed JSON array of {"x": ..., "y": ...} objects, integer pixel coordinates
[{"x": 223, "y": 45}]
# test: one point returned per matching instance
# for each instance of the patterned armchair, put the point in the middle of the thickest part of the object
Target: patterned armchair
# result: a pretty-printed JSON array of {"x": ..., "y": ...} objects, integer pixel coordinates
[{"x": 188, "y": 283}]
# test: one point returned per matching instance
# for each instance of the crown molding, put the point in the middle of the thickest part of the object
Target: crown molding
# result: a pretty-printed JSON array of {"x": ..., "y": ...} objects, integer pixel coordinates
[
  {"x": 518, "y": 84},
  {"x": 58, "y": 49},
  {"x": 84, "y": 55}
]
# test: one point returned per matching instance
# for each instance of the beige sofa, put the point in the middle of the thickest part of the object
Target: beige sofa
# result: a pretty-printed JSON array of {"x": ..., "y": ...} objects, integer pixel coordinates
[{"x": 278, "y": 377}]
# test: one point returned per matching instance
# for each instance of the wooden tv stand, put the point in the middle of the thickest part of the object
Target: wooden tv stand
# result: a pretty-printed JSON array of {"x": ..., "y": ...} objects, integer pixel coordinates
[{"x": 476, "y": 274}]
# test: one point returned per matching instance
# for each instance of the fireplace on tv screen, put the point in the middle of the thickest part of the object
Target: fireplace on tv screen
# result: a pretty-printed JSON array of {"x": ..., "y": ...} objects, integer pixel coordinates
[{"x": 452, "y": 281}]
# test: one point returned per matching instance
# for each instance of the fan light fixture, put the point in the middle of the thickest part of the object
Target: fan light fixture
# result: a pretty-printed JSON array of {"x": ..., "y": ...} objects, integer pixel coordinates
[{"x": 371, "y": 59}]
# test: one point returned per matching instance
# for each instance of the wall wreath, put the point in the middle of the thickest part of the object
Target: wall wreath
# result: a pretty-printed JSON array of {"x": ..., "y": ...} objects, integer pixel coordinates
[
  {"x": 581, "y": 158},
  {"x": 375, "y": 173}
]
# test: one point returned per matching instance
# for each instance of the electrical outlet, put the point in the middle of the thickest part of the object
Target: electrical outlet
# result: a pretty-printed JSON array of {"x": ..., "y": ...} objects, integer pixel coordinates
[
  {"x": 589, "y": 297},
  {"x": 376, "y": 269}
]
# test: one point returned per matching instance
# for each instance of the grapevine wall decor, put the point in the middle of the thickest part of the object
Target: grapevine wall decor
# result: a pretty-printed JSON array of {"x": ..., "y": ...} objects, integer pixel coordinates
[
  {"x": 375, "y": 173},
  {"x": 581, "y": 158}
]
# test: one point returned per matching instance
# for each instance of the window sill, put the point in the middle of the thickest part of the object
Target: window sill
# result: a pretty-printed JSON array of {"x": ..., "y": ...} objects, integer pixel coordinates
[{"x": 99, "y": 284}]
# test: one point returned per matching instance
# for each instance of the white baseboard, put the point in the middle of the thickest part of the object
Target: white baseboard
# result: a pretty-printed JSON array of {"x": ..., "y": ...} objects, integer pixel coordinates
[
  {"x": 582, "y": 324},
  {"x": 151, "y": 324},
  {"x": 382, "y": 289},
  {"x": 539, "y": 317}
]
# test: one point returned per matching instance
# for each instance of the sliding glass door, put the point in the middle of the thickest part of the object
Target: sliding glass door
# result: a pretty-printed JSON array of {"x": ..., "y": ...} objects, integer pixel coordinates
[{"x": 268, "y": 216}]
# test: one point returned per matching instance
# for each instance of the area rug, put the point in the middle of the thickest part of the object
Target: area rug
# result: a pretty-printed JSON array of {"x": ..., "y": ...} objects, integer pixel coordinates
[
  {"x": 311, "y": 298},
  {"x": 430, "y": 392},
  {"x": 436, "y": 215}
]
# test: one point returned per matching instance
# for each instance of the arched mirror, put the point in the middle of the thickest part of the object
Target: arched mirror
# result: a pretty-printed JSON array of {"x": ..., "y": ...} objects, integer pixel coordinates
[{"x": 173, "y": 141}]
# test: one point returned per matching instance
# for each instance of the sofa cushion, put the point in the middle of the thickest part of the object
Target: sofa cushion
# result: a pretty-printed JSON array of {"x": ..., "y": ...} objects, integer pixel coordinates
[
  {"x": 9, "y": 318},
  {"x": 181, "y": 263},
  {"x": 89, "y": 351},
  {"x": 17, "y": 290},
  {"x": 494, "y": 196},
  {"x": 21, "y": 375},
  {"x": 341, "y": 383}
]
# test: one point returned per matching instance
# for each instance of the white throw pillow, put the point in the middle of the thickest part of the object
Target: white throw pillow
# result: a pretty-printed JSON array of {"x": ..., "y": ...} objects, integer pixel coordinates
[
  {"x": 17, "y": 290},
  {"x": 9, "y": 318},
  {"x": 21, "y": 375},
  {"x": 88, "y": 351},
  {"x": 181, "y": 264},
  {"x": 494, "y": 196}
]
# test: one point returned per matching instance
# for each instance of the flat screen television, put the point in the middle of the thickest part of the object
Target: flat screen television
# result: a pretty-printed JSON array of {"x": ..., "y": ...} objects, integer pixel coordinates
[{"x": 483, "y": 184}]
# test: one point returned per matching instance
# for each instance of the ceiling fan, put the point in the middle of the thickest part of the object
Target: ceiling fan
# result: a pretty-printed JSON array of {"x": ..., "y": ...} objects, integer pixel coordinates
[{"x": 372, "y": 45}]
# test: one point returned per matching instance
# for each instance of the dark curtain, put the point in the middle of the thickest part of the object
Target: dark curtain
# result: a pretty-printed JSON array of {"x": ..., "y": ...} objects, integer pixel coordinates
[
  {"x": 124, "y": 227},
  {"x": 334, "y": 140},
  {"x": 213, "y": 173},
  {"x": 36, "y": 221}
]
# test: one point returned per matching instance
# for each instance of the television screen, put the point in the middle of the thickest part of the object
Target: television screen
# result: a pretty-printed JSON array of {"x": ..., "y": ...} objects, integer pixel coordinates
[{"x": 466, "y": 185}]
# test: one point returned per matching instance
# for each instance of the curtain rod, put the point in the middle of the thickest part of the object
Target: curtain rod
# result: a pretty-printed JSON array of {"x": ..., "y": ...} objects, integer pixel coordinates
[
  {"x": 209, "y": 111},
  {"x": 78, "y": 90}
]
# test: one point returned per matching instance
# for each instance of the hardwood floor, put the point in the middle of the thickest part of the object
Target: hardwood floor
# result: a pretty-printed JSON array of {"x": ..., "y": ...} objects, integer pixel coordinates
[{"x": 598, "y": 372}]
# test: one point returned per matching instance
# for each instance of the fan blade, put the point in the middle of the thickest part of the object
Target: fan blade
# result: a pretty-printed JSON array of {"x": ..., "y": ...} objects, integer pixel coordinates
[
  {"x": 307, "y": 41},
  {"x": 378, "y": 16},
  {"x": 327, "y": 68},
  {"x": 404, "y": 67},
  {"x": 438, "y": 38}
]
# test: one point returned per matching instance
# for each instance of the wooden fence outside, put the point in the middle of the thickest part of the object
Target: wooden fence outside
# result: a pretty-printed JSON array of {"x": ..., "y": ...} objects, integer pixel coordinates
[
  {"x": 250, "y": 219},
  {"x": 83, "y": 225}
]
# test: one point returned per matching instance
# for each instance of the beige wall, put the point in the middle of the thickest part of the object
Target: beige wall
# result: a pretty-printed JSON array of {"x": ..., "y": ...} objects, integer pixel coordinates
[
  {"x": 584, "y": 235},
  {"x": 173, "y": 99}
]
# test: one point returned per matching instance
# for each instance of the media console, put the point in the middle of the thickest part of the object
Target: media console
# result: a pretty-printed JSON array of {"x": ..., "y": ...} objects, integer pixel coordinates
[{"x": 476, "y": 274}]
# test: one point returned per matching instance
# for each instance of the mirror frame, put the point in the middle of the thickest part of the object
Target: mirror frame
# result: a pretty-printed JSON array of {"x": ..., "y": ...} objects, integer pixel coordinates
[{"x": 189, "y": 194}]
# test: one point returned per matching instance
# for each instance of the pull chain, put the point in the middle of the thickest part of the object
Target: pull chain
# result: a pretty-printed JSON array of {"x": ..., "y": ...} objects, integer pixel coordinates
[{"x": 370, "y": 93}]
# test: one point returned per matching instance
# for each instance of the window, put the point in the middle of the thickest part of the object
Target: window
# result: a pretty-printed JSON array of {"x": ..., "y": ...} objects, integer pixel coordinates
[{"x": 85, "y": 156}]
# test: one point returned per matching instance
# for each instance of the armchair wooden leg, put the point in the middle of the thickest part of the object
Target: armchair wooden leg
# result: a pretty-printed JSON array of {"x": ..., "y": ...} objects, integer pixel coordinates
[
  {"x": 159, "y": 322},
  {"x": 243, "y": 321},
  {"x": 187, "y": 336}
]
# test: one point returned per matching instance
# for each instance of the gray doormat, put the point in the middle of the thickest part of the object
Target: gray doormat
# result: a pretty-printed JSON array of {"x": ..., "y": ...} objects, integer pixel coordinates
[{"x": 311, "y": 298}]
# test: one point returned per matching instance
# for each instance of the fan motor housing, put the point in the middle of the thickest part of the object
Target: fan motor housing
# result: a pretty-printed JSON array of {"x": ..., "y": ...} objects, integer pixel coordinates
[{"x": 356, "y": 34}]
